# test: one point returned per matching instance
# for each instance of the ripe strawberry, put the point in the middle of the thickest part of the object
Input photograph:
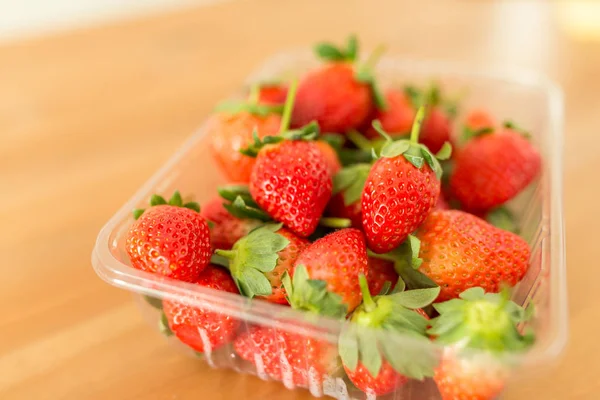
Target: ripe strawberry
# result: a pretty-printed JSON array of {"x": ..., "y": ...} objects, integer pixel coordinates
[
  {"x": 201, "y": 329},
  {"x": 272, "y": 93},
  {"x": 479, "y": 119},
  {"x": 437, "y": 129},
  {"x": 402, "y": 188},
  {"x": 360, "y": 344},
  {"x": 291, "y": 180},
  {"x": 397, "y": 118},
  {"x": 292, "y": 358},
  {"x": 337, "y": 259},
  {"x": 232, "y": 128},
  {"x": 380, "y": 272},
  {"x": 170, "y": 239},
  {"x": 330, "y": 155},
  {"x": 460, "y": 250},
  {"x": 338, "y": 96},
  {"x": 259, "y": 260},
  {"x": 226, "y": 229},
  {"x": 479, "y": 330},
  {"x": 493, "y": 168},
  {"x": 348, "y": 186}
]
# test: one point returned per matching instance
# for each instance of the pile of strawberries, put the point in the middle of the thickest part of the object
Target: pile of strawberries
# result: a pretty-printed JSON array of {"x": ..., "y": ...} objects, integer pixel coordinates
[{"x": 358, "y": 205}]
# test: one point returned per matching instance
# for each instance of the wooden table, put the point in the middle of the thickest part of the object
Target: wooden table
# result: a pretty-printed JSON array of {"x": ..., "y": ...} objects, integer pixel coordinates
[{"x": 87, "y": 116}]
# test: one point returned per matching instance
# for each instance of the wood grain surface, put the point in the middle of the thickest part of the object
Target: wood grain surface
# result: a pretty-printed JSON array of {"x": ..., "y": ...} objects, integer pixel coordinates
[{"x": 87, "y": 116}]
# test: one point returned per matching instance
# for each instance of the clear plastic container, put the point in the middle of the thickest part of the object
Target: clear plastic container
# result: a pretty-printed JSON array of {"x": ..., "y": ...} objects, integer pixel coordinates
[{"x": 529, "y": 99}]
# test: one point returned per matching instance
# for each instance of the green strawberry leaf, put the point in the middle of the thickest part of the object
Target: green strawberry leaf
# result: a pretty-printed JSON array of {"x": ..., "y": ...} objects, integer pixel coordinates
[
  {"x": 352, "y": 48},
  {"x": 400, "y": 286},
  {"x": 235, "y": 107},
  {"x": 502, "y": 218},
  {"x": 511, "y": 125},
  {"x": 369, "y": 353},
  {"x": 163, "y": 325},
  {"x": 348, "y": 347},
  {"x": 329, "y": 52},
  {"x": 252, "y": 256},
  {"x": 417, "y": 298},
  {"x": 137, "y": 213},
  {"x": 335, "y": 140},
  {"x": 432, "y": 161},
  {"x": 192, "y": 205},
  {"x": 240, "y": 209},
  {"x": 385, "y": 289},
  {"x": 312, "y": 295},
  {"x": 257, "y": 143},
  {"x": 351, "y": 181},
  {"x": 232, "y": 192},
  {"x": 414, "y": 279},
  {"x": 154, "y": 302},
  {"x": 472, "y": 294},
  {"x": 394, "y": 149},
  {"x": 414, "y": 360},
  {"x": 445, "y": 152},
  {"x": 176, "y": 199},
  {"x": 157, "y": 200},
  {"x": 469, "y": 133},
  {"x": 415, "y": 96}
]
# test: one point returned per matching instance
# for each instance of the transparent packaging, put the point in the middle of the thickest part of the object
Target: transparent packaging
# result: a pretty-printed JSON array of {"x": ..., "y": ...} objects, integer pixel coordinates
[{"x": 520, "y": 96}]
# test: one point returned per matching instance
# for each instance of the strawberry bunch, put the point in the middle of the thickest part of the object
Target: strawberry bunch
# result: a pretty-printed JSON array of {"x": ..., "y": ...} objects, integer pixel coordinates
[{"x": 349, "y": 204}]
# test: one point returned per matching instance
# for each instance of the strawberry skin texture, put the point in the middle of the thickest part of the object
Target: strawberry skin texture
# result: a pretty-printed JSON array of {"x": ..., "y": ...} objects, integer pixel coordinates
[
  {"x": 331, "y": 158},
  {"x": 457, "y": 380},
  {"x": 460, "y": 251},
  {"x": 226, "y": 229},
  {"x": 170, "y": 241},
  {"x": 292, "y": 183},
  {"x": 386, "y": 381},
  {"x": 436, "y": 130},
  {"x": 396, "y": 199},
  {"x": 338, "y": 259},
  {"x": 229, "y": 133},
  {"x": 272, "y": 94},
  {"x": 301, "y": 352},
  {"x": 397, "y": 119},
  {"x": 337, "y": 208},
  {"x": 380, "y": 272},
  {"x": 285, "y": 262},
  {"x": 185, "y": 321},
  {"x": 334, "y": 98},
  {"x": 492, "y": 169}
]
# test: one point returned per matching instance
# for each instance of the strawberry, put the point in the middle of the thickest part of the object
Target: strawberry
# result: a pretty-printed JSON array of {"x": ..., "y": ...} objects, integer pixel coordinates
[
  {"x": 226, "y": 229},
  {"x": 442, "y": 204},
  {"x": 348, "y": 186},
  {"x": 457, "y": 250},
  {"x": 401, "y": 189},
  {"x": 397, "y": 118},
  {"x": 291, "y": 180},
  {"x": 337, "y": 259},
  {"x": 258, "y": 261},
  {"x": 492, "y": 168},
  {"x": 330, "y": 155},
  {"x": 338, "y": 96},
  {"x": 202, "y": 329},
  {"x": 272, "y": 93},
  {"x": 479, "y": 119},
  {"x": 170, "y": 239},
  {"x": 233, "y": 127},
  {"x": 374, "y": 326},
  {"x": 437, "y": 129},
  {"x": 295, "y": 359},
  {"x": 380, "y": 272},
  {"x": 479, "y": 329}
]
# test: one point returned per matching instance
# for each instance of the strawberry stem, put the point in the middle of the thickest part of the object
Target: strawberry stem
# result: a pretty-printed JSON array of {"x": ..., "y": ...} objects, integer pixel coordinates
[
  {"x": 229, "y": 254},
  {"x": 359, "y": 140},
  {"x": 416, "y": 127},
  {"x": 368, "y": 302},
  {"x": 331, "y": 222},
  {"x": 254, "y": 94},
  {"x": 289, "y": 106},
  {"x": 374, "y": 57}
]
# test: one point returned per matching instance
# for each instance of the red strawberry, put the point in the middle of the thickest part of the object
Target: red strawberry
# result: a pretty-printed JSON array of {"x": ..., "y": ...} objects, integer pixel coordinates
[
  {"x": 437, "y": 129},
  {"x": 397, "y": 118},
  {"x": 259, "y": 260},
  {"x": 479, "y": 330},
  {"x": 201, "y": 329},
  {"x": 337, "y": 259},
  {"x": 226, "y": 229},
  {"x": 360, "y": 344},
  {"x": 338, "y": 96},
  {"x": 292, "y": 358},
  {"x": 331, "y": 157},
  {"x": 493, "y": 168},
  {"x": 460, "y": 250},
  {"x": 272, "y": 93},
  {"x": 442, "y": 204},
  {"x": 291, "y": 179},
  {"x": 348, "y": 186},
  {"x": 380, "y": 272},
  {"x": 231, "y": 131},
  {"x": 402, "y": 188},
  {"x": 169, "y": 239},
  {"x": 479, "y": 119}
]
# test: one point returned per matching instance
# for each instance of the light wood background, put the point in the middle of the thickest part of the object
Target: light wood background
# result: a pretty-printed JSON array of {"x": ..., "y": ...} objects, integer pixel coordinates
[{"x": 87, "y": 116}]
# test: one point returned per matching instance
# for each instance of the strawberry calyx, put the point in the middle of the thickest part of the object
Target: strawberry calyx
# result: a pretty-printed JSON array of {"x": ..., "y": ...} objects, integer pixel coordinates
[
  {"x": 514, "y": 127},
  {"x": 252, "y": 256},
  {"x": 432, "y": 97},
  {"x": 365, "y": 74},
  {"x": 394, "y": 313},
  {"x": 482, "y": 321},
  {"x": 251, "y": 105},
  {"x": 501, "y": 217},
  {"x": 175, "y": 200},
  {"x": 311, "y": 295},
  {"x": 330, "y": 52},
  {"x": 417, "y": 154},
  {"x": 470, "y": 133},
  {"x": 350, "y": 181}
]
